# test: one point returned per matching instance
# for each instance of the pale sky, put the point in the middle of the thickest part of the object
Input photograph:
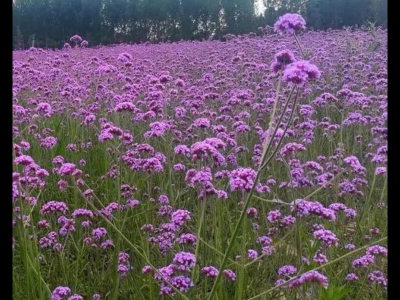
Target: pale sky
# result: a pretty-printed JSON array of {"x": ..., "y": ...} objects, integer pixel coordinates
[{"x": 259, "y": 6}]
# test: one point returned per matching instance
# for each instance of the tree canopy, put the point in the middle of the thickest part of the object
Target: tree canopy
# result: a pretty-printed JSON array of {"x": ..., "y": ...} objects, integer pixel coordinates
[{"x": 50, "y": 23}]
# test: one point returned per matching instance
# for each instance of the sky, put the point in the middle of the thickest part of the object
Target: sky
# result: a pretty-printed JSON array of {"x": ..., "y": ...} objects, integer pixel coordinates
[{"x": 259, "y": 6}]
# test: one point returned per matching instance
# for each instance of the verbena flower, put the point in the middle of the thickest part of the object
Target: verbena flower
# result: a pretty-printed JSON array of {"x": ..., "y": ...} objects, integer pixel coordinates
[
  {"x": 352, "y": 277},
  {"x": 75, "y": 297},
  {"x": 311, "y": 276},
  {"x": 252, "y": 254},
  {"x": 300, "y": 72},
  {"x": 289, "y": 24},
  {"x": 281, "y": 60},
  {"x": 327, "y": 237},
  {"x": 363, "y": 261},
  {"x": 187, "y": 238},
  {"x": 180, "y": 216},
  {"x": 210, "y": 271},
  {"x": 287, "y": 271},
  {"x": 182, "y": 283},
  {"x": 377, "y": 250},
  {"x": 379, "y": 278},
  {"x": 229, "y": 275},
  {"x": 184, "y": 260},
  {"x": 76, "y": 38},
  {"x": 60, "y": 292}
]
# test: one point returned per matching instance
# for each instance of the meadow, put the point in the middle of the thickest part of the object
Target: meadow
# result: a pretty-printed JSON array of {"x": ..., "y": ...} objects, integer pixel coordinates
[{"x": 251, "y": 168}]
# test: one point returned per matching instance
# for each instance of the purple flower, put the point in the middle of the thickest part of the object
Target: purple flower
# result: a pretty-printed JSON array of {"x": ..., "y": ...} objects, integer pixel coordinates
[
  {"x": 180, "y": 216},
  {"x": 287, "y": 221},
  {"x": 185, "y": 260},
  {"x": 252, "y": 212},
  {"x": 380, "y": 171},
  {"x": 202, "y": 123},
  {"x": 268, "y": 250},
  {"x": 76, "y": 38},
  {"x": 327, "y": 237},
  {"x": 52, "y": 207},
  {"x": 179, "y": 167},
  {"x": 124, "y": 57},
  {"x": 165, "y": 273},
  {"x": 349, "y": 247},
  {"x": 86, "y": 224},
  {"x": 291, "y": 148},
  {"x": 311, "y": 276},
  {"x": 166, "y": 290},
  {"x": 182, "y": 283},
  {"x": 300, "y": 72},
  {"x": 98, "y": 233},
  {"x": 252, "y": 254},
  {"x": 363, "y": 261},
  {"x": 187, "y": 238},
  {"x": 123, "y": 270},
  {"x": 264, "y": 240},
  {"x": 229, "y": 274},
  {"x": 202, "y": 150},
  {"x": 355, "y": 164},
  {"x": 84, "y": 44},
  {"x": 81, "y": 212},
  {"x": 350, "y": 213},
  {"x": 289, "y": 24},
  {"x": 379, "y": 278},
  {"x": 352, "y": 277},
  {"x": 123, "y": 258},
  {"x": 48, "y": 142},
  {"x": 320, "y": 259},
  {"x": 337, "y": 206},
  {"x": 287, "y": 271},
  {"x": 23, "y": 160},
  {"x": 147, "y": 270},
  {"x": 282, "y": 59},
  {"x": 280, "y": 282},
  {"x": 274, "y": 216},
  {"x": 242, "y": 179},
  {"x": 377, "y": 250},
  {"x": 125, "y": 106},
  {"x": 163, "y": 199},
  {"x": 67, "y": 169},
  {"x": 60, "y": 292},
  {"x": 210, "y": 271},
  {"x": 75, "y": 297}
]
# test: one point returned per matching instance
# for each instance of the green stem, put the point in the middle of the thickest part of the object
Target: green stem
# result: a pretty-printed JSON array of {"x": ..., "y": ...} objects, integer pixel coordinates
[
  {"x": 283, "y": 134},
  {"x": 234, "y": 236},
  {"x": 247, "y": 203},
  {"x": 270, "y": 139},
  {"x": 299, "y": 45},
  {"x": 135, "y": 248},
  {"x": 319, "y": 268},
  {"x": 202, "y": 213},
  {"x": 242, "y": 273}
]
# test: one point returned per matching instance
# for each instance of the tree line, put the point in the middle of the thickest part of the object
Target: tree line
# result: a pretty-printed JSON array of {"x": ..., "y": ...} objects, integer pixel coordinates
[{"x": 50, "y": 23}]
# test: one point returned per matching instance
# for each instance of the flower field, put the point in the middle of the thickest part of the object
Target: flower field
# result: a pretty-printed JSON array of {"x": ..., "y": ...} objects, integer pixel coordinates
[{"x": 252, "y": 168}]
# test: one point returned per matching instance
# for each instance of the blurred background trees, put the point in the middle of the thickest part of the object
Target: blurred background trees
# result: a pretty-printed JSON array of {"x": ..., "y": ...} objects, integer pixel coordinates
[{"x": 50, "y": 23}]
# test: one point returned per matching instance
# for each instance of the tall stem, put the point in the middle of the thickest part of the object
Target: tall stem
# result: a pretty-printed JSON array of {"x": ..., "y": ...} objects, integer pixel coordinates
[
  {"x": 270, "y": 140},
  {"x": 234, "y": 235},
  {"x": 299, "y": 45},
  {"x": 283, "y": 135},
  {"x": 243, "y": 213},
  {"x": 202, "y": 212},
  {"x": 319, "y": 268}
]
